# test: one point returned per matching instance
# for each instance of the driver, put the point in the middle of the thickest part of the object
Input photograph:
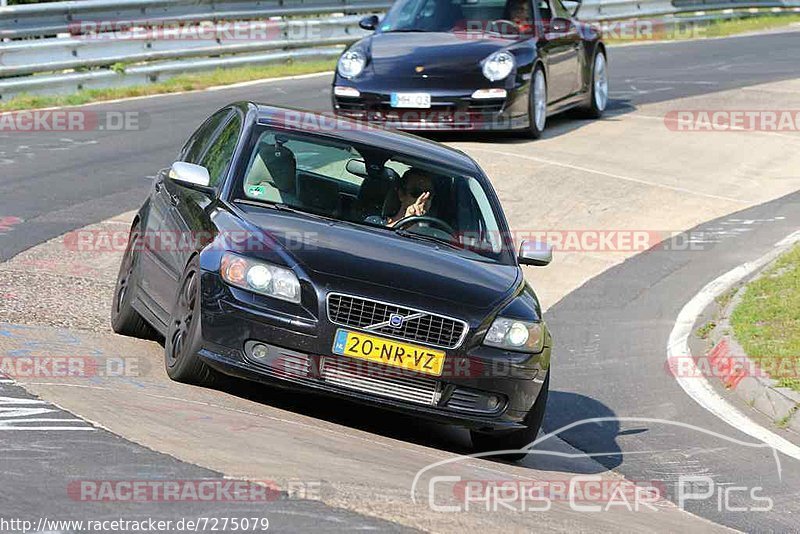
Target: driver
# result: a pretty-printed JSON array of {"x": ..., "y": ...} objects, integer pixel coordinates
[{"x": 414, "y": 193}]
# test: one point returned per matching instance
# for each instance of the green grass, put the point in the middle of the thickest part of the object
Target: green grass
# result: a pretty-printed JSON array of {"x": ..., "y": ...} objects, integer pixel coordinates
[
  {"x": 702, "y": 30},
  {"x": 704, "y": 331},
  {"x": 767, "y": 320},
  {"x": 186, "y": 82}
]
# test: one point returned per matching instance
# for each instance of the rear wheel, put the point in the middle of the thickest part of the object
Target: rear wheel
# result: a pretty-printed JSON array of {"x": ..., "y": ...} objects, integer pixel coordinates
[
  {"x": 124, "y": 319},
  {"x": 182, "y": 342},
  {"x": 517, "y": 439},
  {"x": 598, "y": 93},
  {"x": 537, "y": 105}
]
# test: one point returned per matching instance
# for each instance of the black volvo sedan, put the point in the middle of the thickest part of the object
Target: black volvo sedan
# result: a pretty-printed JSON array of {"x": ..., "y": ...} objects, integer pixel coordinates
[
  {"x": 343, "y": 259},
  {"x": 472, "y": 65}
]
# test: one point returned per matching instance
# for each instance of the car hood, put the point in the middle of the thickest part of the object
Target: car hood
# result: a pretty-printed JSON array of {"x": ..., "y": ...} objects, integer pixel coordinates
[
  {"x": 337, "y": 256},
  {"x": 439, "y": 54}
]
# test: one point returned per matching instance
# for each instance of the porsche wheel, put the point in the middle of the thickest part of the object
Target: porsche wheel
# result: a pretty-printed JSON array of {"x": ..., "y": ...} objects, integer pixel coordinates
[
  {"x": 124, "y": 319},
  {"x": 537, "y": 106},
  {"x": 516, "y": 440},
  {"x": 181, "y": 344}
]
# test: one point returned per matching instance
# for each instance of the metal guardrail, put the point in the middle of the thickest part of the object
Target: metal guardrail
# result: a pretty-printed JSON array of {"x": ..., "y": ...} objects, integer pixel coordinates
[{"x": 61, "y": 47}]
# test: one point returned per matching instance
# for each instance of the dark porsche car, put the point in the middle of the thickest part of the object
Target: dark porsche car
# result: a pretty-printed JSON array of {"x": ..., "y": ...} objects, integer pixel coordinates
[
  {"x": 472, "y": 65},
  {"x": 347, "y": 260}
]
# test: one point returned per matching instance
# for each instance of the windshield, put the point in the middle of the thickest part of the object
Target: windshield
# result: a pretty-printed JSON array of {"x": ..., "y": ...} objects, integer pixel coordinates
[
  {"x": 458, "y": 16},
  {"x": 371, "y": 187}
]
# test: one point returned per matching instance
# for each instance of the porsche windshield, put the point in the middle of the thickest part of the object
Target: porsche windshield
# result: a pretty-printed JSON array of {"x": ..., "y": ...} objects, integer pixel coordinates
[
  {"x": 371, "y": 187},
  {"x": 457, "y": 16}
]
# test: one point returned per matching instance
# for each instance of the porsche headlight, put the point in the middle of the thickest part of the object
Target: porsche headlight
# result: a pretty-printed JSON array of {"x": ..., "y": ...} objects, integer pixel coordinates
[
  {"x": 260, "y": 277},
  {"x": 498, "y": 66},
  {"x": 352, "y": 63},
  {"x": 511, "y": 334}
]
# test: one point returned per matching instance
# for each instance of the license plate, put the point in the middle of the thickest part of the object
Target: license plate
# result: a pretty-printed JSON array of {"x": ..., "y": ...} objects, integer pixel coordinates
[
  {"x": 388, "y": 352},
  {"x": 411, "y": 100}
]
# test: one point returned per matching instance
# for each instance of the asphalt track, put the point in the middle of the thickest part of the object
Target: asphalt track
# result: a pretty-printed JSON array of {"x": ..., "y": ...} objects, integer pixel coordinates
[{"x": 611, "y": 331}]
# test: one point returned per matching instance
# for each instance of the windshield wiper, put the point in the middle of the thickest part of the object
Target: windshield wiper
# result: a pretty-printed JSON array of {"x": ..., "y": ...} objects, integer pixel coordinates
[{"x": 427, "y": 238}]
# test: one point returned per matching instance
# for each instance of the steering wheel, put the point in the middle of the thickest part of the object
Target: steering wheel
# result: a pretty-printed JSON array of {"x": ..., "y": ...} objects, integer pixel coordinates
[
  {"x": 416, "y": 219},
  {"x": 499, "y": 26}
]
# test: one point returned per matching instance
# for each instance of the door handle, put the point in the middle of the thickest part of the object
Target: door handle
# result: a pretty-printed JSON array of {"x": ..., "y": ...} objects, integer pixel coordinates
[
  {"x": 157, "y": 186},
  {"x": 174, "y": 199}
]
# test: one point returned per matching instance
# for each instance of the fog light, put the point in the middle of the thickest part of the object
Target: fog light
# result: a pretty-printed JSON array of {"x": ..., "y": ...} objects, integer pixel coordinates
[
  {"x": 483, "y": 94},
  {"x": 259, "y": 351},
  {"x": 493, "y": 402},
  {"x": 349, "y": 92}
]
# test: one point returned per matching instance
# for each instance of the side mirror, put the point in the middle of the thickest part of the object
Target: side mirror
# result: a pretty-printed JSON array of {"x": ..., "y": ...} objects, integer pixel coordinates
[
  {"x": 369, "y": 23},
  {"x": 535, "y": 253},
  {"x": 560, "y": 25},
  {"x": 189, "y": 174}
]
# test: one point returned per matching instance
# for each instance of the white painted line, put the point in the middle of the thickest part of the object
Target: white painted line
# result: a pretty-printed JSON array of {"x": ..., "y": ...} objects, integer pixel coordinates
[
  {"x": 694, "y": 383},
  {"x": 609, "y": 175}
]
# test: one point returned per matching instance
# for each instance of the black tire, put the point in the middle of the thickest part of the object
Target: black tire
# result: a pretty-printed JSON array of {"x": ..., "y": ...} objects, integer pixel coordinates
[
  {"x": 124, "y": 319},
  {"x": 183, "y": 334},
  {"x": 516, "y": 439},
  {"x": 535, "y": 129},
  {"x": 592, "y": 110}
]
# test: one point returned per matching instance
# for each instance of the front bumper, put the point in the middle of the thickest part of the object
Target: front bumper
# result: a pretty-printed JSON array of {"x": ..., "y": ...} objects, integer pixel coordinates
[
  {"x": 451, "y": 110},
  {"x": 300, "y": 357}
]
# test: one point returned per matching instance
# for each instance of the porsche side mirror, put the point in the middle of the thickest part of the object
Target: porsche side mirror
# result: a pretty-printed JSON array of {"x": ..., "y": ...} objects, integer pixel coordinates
[
  {"x": 189, "y": 174},
  {"x": 560, "y": 25},
  {"x": 535, "y": 253},
  {"x": 369, "y": 23}
]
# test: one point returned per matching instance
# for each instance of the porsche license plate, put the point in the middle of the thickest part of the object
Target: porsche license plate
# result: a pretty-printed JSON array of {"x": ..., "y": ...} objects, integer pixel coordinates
[
  {"x": 411, "y": 100},
  {"x": 388, "y": 352}
]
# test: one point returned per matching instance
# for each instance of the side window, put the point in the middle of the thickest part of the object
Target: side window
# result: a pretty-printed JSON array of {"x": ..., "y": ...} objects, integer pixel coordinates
[
  {"x": 193, "y": 149},
  {"x": 218, "y": 157},
  {"x": 559, "y": 10},
  {"x": 544, "y": 11}
]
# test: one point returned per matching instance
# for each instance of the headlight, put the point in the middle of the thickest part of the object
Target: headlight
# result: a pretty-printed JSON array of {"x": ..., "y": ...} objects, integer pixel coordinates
[
  {"x": 260, "y": 277},
  {"x": 498, "y": 66},
  {"x": 352, "y": 63},
  {"x": 510, "y": 334}
]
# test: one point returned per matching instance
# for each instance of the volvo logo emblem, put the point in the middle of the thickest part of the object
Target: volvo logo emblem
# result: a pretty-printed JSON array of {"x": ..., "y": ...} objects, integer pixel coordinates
[
  {"x": 419, "y": 68},
  {"x": 395, "y": 320}
]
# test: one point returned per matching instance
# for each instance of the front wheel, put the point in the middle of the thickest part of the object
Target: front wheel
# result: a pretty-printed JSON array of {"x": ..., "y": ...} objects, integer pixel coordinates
[
  {"x": 517, "y": 440},
  {"x": 182, "y": 341},
  {"x": 125, "y": 320},
  {"x": 598, "y": 92},
  {"x": 537, "y": 105}
]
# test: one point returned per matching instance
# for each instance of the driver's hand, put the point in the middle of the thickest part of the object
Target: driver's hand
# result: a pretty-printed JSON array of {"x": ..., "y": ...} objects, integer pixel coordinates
[{"x": 420, "y": 207}]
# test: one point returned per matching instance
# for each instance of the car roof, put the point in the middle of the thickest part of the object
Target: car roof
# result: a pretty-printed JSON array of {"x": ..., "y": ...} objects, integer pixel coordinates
[{"x": 358, "y": 132}]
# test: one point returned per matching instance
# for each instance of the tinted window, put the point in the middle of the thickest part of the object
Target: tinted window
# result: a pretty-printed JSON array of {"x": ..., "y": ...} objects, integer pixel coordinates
[
  {"x": 454, "y": 15},
  {"x": 218, "y": 157},
  {"x": 372, "y": 187},
  {"x": 195, "y": 147}
]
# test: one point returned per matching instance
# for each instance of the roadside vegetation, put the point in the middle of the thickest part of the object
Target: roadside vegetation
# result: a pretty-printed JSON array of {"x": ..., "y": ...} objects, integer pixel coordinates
[
  {"x": 185, "y": 82},
  {"x": 767, "y": 320},
  {"x": 631, "y": 32}
]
